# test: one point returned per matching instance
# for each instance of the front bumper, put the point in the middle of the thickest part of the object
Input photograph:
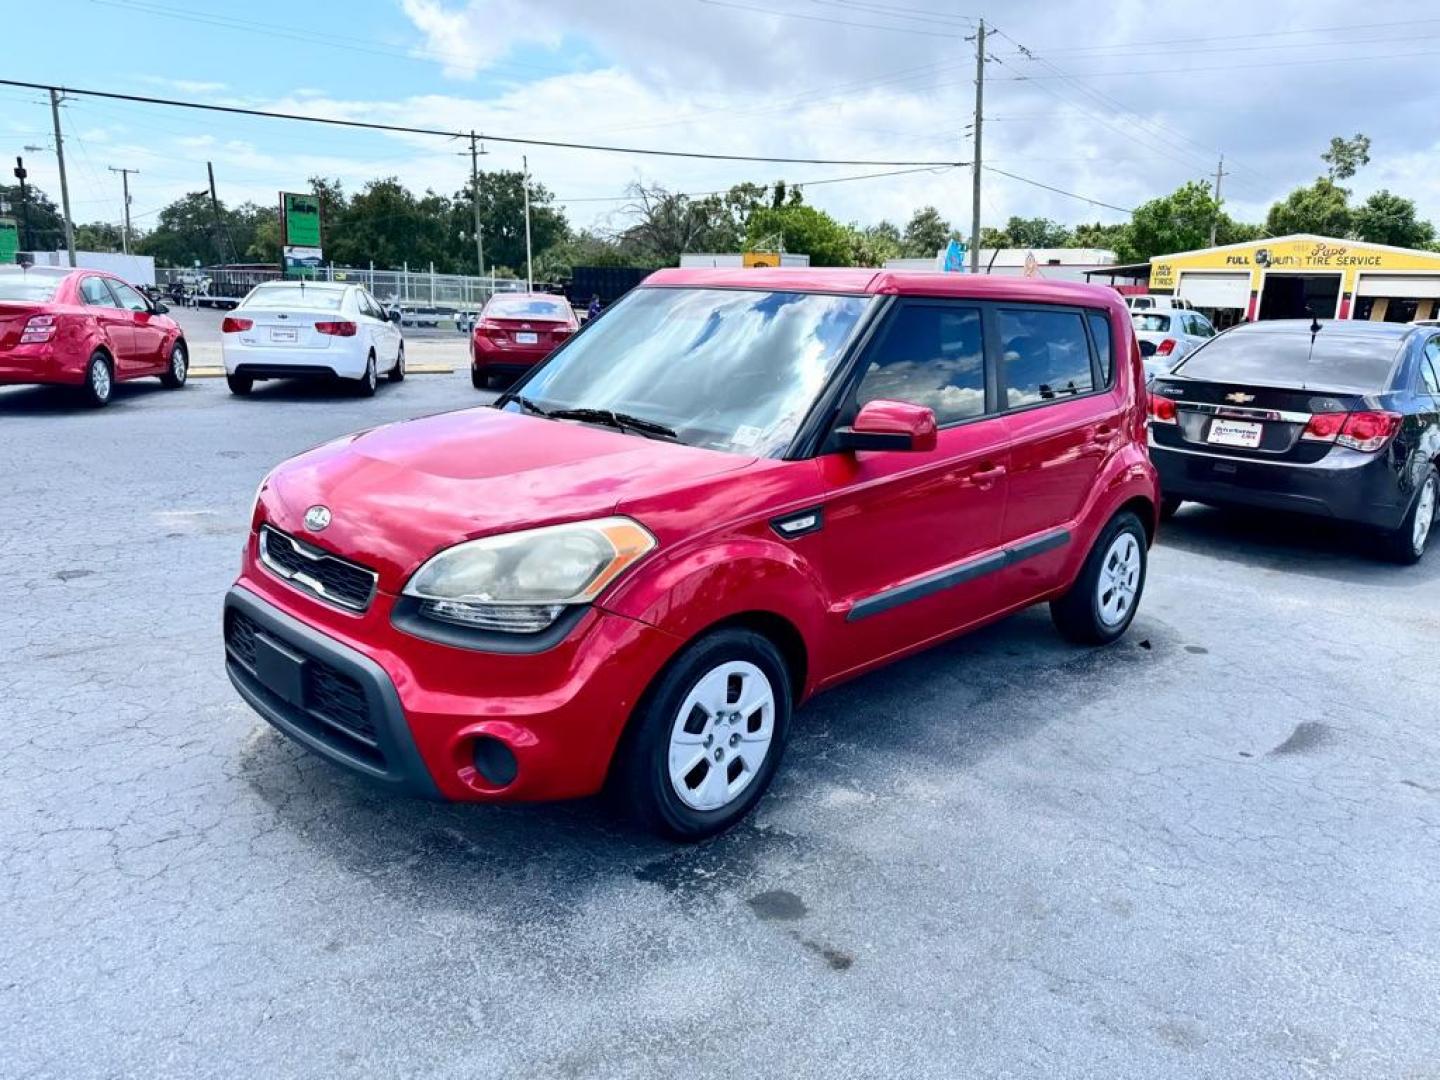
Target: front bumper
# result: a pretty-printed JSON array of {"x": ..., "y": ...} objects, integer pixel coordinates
[
  {"x": 428, "y": 705},
  {"x": 1346, "y": 485}
]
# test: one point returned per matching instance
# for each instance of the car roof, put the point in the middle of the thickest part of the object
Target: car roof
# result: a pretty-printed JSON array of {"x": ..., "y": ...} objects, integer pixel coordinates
[
  {"x": 325, "y": 286},
  {"x": 527, "y": 296},
  {"x": 1329, "y": 327},
  {"x": 45, "y": 271}
]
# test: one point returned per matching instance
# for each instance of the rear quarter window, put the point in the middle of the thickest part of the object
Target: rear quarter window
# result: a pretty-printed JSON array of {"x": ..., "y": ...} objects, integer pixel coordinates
[{"x": 1100, "y": 331}]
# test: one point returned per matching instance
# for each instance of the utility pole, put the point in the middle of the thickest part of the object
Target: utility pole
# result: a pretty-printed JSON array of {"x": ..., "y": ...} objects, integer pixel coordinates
[
  {"x": 1220, "y": 173},
  {"x": 975, "y": 157},
  {"x": 529, "y": 271},
  {"x": 55, "y": 100},
  {"x": 26, "y": 243},
  {"x": 219, "y": 223},
  {"x": 125, "y": 185},
  {"x": 475, "y": 152}
]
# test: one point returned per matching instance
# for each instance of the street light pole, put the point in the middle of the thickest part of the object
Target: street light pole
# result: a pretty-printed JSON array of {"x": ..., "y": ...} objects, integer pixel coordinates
[
  {"x": 55, "y": 100},
  {"x": 475, "y": 152},
  {"x": 125, "y": 186}
]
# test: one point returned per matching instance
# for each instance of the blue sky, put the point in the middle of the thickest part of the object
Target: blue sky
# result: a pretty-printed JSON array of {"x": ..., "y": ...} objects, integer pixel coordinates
[{"x": 1109, "y": 103}]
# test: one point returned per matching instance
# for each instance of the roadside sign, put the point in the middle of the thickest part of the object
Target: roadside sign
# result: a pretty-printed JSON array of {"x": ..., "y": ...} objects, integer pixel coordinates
[
  {"x": 954, "y": 261},
  {"x": 760, "y": 258},
  {"x": 300, "y": 234},
  {"x": 9, "y": 240}
]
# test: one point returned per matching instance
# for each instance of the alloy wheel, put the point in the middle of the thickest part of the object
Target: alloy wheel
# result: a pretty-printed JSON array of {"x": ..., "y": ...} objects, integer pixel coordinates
[
  {"x": 1119, "y": 580},
  {"x": 100, "y": 380},
  {"x": 721, "y": 735},
  {"x": 178, "y": 363},
  {"x": 1424, "y": 516}
]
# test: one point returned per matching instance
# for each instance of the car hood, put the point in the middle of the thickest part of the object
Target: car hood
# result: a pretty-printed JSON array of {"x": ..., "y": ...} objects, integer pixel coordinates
[{"x": 399, "y": 494}]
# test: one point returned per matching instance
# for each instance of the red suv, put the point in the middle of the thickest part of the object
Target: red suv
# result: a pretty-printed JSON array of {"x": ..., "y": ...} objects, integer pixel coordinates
[
  {"x": 84, "y": 328},
  {"x": 515, "y": 332},
  {"x": 734, "y": 491}
]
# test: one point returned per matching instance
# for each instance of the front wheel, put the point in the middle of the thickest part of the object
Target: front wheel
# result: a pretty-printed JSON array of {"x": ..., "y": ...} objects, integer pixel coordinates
[
  {"x": 1101, "y": 604},
  {"x": 707, "y": 737},
  {"x": 178, "y": 369},
  {"x": 370, "y": 380},
  {"x": 1406, "y": 545}
]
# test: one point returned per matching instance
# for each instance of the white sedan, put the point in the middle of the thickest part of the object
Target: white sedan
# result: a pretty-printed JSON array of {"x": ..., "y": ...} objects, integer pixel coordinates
[{"x": 306, "y": 329}]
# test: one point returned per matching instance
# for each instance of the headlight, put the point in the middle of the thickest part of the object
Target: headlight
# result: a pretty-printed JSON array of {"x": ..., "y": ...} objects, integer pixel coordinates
[{"x": 520, "y": 582}]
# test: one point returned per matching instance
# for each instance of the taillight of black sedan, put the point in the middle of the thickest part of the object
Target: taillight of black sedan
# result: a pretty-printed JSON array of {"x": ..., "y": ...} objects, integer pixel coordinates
[{"x": 1335, "y": 419}]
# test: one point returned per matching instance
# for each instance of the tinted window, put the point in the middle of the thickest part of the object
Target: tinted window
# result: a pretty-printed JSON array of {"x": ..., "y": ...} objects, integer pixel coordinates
[
  {"x": 1337, "y": 361},
  {"x": 19, "y": 285},
  {"x": 94, "y": 293},
  {"x": 527, "y": 307},
  {"x": 1100, "y": 331},
  {"x": 1430, "y": 367},
  {"x": 1203, "y": 327},
  {"x": 128, "y": 297},
  {"x": 929, "y": 355},
  {"x": 728, "y": 369},
  {"x": 1045, "y": 356},
  {"x": 1158, "y": 324}
]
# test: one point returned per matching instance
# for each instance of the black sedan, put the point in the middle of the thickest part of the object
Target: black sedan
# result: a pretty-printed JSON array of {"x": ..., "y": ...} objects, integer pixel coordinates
[{"x": 1338, "y": 419}]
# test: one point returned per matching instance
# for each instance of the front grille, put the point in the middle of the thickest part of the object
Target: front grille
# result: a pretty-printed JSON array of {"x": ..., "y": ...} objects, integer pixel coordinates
[
  {"x": 316, "y": 571},
  {"x": 335, "y": 709}
]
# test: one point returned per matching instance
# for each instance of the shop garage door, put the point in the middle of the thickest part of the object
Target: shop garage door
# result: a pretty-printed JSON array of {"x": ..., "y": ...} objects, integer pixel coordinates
[
  {"x": 1216, "y": 290},
  {"x": 1409, "y": 286}
]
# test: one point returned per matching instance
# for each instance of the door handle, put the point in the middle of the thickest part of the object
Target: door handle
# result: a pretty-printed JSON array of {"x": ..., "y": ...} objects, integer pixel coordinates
[
  {"x": 1103, "y": 434},
  {"x": 987, "y": 475}
]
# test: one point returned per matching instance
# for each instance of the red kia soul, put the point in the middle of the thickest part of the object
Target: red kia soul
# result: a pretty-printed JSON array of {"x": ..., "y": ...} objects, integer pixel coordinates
[{"x": 734, "y": 491}]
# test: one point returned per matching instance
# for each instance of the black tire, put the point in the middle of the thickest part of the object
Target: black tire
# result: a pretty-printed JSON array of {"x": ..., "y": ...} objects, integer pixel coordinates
[
  {"x": 178, "y": 369},
  {"x": 1401, "y": 545},
  {"x": 99, "y": 381},
  {"x": 479, "y": 380},
  {"x": 641, "y": 778},
  {"x": 1080, "y": 615},
  {"x": 370, "y": 380},
  {"x": 240, "y": 385},
  {"x": 397, "y": 373},
  {"x": 1169, "y": 504}
]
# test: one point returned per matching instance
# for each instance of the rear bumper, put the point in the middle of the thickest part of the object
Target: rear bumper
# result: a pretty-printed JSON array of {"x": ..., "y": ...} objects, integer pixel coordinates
[
  {"x": 259, "y": 362},
  {"x": 487, "y": 358},
  {"x": 1346, "y": 485},
  {"x": 31, "y": 364}
]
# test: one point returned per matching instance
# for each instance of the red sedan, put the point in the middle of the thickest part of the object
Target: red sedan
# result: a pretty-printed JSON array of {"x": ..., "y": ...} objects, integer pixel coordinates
[
  {"x": 515, "y": 332},
  {"x": 736, "y": 490},
  {"x": 84, "y": 328}
]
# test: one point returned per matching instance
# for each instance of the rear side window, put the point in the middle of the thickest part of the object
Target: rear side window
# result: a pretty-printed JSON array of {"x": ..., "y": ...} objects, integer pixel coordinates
[
  {"x": 1045, "y": 356},
  {"x": 931, "y": 355},
  {"x": 1335, "y": 360},
  {"x": 94, "y": 292},
  {"x": 1100, "y": 331}
]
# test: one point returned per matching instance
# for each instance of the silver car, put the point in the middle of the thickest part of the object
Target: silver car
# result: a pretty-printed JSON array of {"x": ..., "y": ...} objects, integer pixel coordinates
[{"x": 1168, "y": 335}]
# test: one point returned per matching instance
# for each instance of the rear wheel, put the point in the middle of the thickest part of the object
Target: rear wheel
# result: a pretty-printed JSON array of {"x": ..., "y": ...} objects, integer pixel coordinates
[
  {"x": 370, "y": 380},
  {"x": 1406, "y": 545},
  {"x": 99, "y": 381},
  {"x": 1101, "y": 604},
  {"x": 178, "y": 369},
  {"x": 397, "y": 373},
  {"x": 707, "y": 737},
  {"x": 479, "y": 380},
  {"x": 240, "y": 385}
]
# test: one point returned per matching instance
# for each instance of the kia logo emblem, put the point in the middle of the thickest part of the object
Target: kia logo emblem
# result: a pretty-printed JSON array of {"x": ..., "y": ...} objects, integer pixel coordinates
[{"x": 317, "y": 517}]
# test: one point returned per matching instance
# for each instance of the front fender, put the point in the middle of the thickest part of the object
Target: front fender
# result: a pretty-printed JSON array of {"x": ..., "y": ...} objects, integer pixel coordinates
[{"x": 691, "y": 589}]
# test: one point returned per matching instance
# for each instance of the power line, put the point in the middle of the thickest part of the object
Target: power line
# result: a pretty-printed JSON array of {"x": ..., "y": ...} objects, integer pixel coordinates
[
  {"x": 1175, "y": 72},
  {"x": 824, "y": 19},
  {"x": 1060, "y": 191},
  {"x": 236, "y": 110},
  {"x": 789, "y": 183},
  {"x": 1239, "y": 37}
]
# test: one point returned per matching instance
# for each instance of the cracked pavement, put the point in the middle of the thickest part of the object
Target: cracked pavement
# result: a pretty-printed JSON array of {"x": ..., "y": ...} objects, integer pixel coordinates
[{"x": 1208, "y": 851}]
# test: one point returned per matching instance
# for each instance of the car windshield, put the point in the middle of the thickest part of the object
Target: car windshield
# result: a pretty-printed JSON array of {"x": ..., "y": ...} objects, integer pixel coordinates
[
  {"x": 41, "y": 287},
  {"x": 1159, "y": 324},
  {"x": 725, "y": 369},
  {"x": 527, "y": 307},
  {"x": 1337, "y": 361},
  {"x": 293, "y": 296}
]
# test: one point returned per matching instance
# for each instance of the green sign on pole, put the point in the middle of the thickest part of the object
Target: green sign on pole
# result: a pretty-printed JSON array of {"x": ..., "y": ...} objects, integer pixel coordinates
[
  {"x": 300, "y": 233},
  {"x": 9, "y": 240}
]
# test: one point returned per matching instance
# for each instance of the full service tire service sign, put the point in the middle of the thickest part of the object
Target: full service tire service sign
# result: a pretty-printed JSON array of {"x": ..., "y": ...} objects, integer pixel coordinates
[{"x": 300, "y": 234}]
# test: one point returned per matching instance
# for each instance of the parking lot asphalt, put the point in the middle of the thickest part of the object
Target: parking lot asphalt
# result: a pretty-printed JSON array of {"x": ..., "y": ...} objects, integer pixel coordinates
[{"x": 1209, "y": 850}]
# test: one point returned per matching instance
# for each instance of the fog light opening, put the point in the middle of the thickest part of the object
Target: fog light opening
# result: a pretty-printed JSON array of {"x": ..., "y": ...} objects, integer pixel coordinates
[{"x": 494, "y": 762}]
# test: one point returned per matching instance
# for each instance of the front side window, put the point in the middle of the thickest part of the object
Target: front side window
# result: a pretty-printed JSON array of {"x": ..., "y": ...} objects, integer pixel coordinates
[
  {"x": 931, "y": 355},
  {"x": 1045, "y": 356},
  {"x": 727, "y": 369},
  {"x": 94, "y": 292},
  {"x": 128, "y": 297},
  {"x": 1430, "y": 367}
]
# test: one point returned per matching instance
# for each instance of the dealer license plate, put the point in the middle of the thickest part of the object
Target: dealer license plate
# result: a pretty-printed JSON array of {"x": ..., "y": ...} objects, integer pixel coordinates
[
  {"x": 1235, "y": 433},
  {"x": 523, "y": 338},
  {"x": 284, "y": 333}
]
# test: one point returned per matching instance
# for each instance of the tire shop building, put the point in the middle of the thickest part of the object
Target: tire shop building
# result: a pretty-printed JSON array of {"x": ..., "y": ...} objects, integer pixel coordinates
[{"x": 1300, "y": 276}]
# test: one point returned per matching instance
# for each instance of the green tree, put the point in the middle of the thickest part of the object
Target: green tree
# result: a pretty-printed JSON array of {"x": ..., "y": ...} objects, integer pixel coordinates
[
  {"x": 1322, "y": 207},
  {"x": 46, "y": 227},
  {"x": 663, "y": 225},
  {"x": 802, "y": 229},
  {"x": 502, "y": 222},
  {"x": 1036, "y": 232},
  {"x": 1346, "y": 156},
  {"x": 873, "y": 244},
  {"x": 188, "y": 231},
  {"x": 1114, "y": 238},
  {"x": 1389, "y": 219},
  {"x": 99, "y": 236},
  {"x": 926, "y": 233},
  {"x": 1179, "y": 221}
]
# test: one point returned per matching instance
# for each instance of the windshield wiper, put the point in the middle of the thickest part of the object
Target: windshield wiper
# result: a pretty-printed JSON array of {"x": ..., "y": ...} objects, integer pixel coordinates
[
  {"x": 528, "y": 405},
  {"x": 621, "y": 421}
]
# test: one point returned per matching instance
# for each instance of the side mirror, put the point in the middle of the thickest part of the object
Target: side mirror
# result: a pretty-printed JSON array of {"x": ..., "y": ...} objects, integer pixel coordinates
[
  {"x": 889, "y": 425},
  {"x": 1147, "y": 348},
  {"x": 159, "y": 308},
  {"x": 393, "y": 316}
]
